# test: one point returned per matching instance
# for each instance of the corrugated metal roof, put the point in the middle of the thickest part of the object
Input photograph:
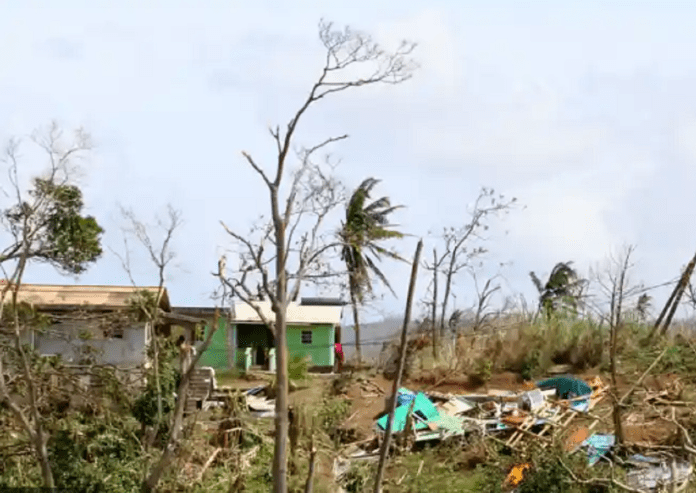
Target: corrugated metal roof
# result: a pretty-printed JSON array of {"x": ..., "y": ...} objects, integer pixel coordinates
[
  {"x": 297, "y": 314},
  {"x": 110, "y": 297}
]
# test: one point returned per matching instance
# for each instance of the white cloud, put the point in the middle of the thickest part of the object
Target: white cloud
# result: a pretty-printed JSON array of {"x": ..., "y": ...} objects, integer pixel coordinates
[{"x": 685, "y": 139}]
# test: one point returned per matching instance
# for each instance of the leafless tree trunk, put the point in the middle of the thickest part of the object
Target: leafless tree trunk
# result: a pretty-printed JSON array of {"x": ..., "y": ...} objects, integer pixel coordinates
[
  {"x": 384, "y": 451},
  {"x": 347, "y": 54},
  {"x": 435, "y": 267},
  {"x": 674, "y": 299},
  {"x": 483, "y": 301},
  {"x": 616, "y": 299},
  {"x": 617, "y": 285}
]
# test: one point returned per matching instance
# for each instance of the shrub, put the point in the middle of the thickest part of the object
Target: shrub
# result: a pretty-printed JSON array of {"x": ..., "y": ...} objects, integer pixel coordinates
[
  {"x": 298, "y": 368},
  {"x": 93, "y": 456}
]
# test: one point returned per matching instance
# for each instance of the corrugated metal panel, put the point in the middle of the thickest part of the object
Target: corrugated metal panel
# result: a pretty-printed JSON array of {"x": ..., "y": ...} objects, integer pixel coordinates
[{"x": 297, "y": 314}]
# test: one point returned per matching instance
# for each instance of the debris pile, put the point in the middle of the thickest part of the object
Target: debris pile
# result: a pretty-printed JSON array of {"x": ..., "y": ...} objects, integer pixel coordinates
[
  {"x": 559, "y": 410},
  {"x": 503, "y": 415},
  {"x": 259, "y": 402}
]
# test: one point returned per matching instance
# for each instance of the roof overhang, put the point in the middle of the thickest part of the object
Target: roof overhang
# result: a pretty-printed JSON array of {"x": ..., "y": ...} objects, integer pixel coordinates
[{"x": 296, "y": 314}]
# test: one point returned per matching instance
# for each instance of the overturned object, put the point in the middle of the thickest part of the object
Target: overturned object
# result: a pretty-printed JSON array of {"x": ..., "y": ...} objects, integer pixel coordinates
[
  {"x": 259, "y": 405},
  {"x": 532, "y": 400},
  {"x": 423, "y": 411}
]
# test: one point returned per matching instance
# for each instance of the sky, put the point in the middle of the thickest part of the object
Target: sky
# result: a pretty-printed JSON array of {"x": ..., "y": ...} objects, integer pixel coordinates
[{"x": 583, "y": 111}]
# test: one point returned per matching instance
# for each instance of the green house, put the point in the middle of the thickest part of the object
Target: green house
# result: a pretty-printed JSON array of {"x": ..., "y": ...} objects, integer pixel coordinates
[
  {"x": 219, "y": 354},
  {"x": 313, "y": 327}
]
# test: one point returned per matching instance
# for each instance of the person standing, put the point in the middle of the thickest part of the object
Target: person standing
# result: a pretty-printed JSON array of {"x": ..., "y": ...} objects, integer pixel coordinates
[{"x": 338, "y": 350}]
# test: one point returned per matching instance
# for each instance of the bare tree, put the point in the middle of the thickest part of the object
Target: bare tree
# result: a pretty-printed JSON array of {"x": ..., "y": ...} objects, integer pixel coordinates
[
  {"x": 434, "y": 267},
  {"x": 160, "y": 255},
  {"x": 482, "y": 311},
  {"x": 157, "y": 241},
  {"x": 614, "y": 282},
  {"x": 352, "y": 60},
  {"x": 44, "y": 224},
  {"x": 457, "y": 255}
]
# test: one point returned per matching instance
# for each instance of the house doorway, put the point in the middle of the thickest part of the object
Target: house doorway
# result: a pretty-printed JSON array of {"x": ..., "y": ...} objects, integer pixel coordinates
[
  {"x": 260, "y": 339},
  {"x": 260, "y": 357}
]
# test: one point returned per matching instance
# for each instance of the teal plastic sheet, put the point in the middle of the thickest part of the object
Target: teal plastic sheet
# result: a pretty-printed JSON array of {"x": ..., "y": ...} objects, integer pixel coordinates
[
  {"x": 567, "y": 387},
  {"x": 598, "y": 446},
  {"x": 423, "y": 411}
]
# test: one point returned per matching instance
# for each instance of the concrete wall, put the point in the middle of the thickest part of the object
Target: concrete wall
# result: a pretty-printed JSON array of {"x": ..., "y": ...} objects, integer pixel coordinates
[
  {"x": 217, "y": 354},
  {"x": 321, "y": 349},
  {"x": 64, "y": 340}
]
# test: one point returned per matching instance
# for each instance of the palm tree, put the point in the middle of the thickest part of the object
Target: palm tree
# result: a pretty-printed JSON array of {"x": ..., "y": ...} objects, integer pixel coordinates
[
  {"x": 365, "y": 228},
  {"x": 563, "y": 288}
]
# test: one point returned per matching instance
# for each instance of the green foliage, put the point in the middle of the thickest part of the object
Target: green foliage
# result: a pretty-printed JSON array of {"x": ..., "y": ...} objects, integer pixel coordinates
[
  {"x": 680, "y": 357},
  {"x": 332, "y": 412},
  {"x": 540, "y": 345},
  {"x": 298, "y": 368},
  {"x": 143, "y": 305},
  {"x": 259, "y": 479},
  {"x": 447, "y": 467},
  {"x": 93, "y": 455},
  {"x": 483, "y": 370},
  {"x": 65, "y": 239},
  {"x": 26, "y": 314},
  {"x": 359, "y": 477},
  {"x": 145, "y": 406},
  {"x": 560, "y": 294},
  {"x": 531, "y": 364},
  {"x": 547, "y": 475}
]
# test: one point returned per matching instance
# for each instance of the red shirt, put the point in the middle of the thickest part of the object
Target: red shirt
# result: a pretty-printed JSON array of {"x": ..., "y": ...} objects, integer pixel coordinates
[{"x": 338, "y": 348}]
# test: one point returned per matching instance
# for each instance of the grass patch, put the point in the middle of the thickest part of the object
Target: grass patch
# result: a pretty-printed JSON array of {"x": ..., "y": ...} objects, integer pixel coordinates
[{"x": 440, "y": 471}]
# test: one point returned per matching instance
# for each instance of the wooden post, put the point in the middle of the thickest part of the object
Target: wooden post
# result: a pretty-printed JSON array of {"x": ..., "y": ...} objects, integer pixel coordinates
[{"x": 397, "y": 381}]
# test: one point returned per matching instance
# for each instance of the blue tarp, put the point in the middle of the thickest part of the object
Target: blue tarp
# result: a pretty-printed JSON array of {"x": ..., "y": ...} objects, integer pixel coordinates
[{"x": 404, "y": 396}]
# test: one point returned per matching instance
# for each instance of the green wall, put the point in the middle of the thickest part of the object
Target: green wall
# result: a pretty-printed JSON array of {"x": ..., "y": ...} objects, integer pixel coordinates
[
  {"x": 321, "y": 350},
  {"x": 217, "y": 353}
]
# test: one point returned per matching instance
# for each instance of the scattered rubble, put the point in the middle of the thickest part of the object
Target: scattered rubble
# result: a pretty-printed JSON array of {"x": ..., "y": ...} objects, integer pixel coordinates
[
  {"x": 555, "y": 410},
  {"x": 259, "y": 404},
  {"x": 652, "y": 474},
  {"x": 532, "y": 413},
  {"x": 558, "y": 410}
]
